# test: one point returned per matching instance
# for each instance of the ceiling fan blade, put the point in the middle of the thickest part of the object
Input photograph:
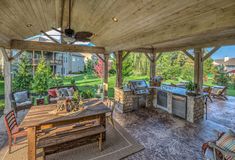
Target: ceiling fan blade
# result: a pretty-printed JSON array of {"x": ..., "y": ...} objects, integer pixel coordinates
[{"x": 55, "y": 29}]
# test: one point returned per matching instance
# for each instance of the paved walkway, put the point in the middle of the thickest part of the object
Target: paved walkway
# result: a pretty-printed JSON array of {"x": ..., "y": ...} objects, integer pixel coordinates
[{"x": 165, "y": 136}]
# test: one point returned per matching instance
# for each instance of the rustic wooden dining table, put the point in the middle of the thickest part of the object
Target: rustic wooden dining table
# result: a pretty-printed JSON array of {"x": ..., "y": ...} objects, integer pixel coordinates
[{"x": 40, "y": 117}]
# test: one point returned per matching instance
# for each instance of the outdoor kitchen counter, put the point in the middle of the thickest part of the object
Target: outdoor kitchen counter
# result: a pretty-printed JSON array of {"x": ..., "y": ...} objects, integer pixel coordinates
[{"x": 175, "y": 101}]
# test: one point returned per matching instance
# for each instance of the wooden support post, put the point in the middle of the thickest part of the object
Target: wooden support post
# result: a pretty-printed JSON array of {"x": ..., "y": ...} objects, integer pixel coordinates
[
  {"x": 7, "y": 80},
  {"x": 31, "y": 143},
  {"x": 152, "y": 68},
  {"x": 119, "y": 60},
  {"x": 198, "y": 69},
  {"x": 33, "y": 62},
  {"x": 105, "y": 76}
]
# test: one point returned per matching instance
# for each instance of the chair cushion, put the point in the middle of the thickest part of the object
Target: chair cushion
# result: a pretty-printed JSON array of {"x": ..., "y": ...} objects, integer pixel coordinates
[
  {"x": 52, "y": 92},
  {"x": 64, "y": 92},
  {"x": 227, "y": 142},
  {"x": 54, "y": 99},
  {"x": 26, "y": 103},
  {"x": 70, "y": 91},
  {"x": 21, "y": 96}
]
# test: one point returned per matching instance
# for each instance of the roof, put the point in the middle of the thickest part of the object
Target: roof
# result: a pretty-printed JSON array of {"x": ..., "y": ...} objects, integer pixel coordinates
[
  {"x": 230, "y": 61},
  {"x": 149, "y": 23}
]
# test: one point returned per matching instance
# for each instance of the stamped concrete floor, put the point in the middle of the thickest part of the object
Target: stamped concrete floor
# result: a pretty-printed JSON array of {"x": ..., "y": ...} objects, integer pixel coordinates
[{"x": 164, "y": 136}]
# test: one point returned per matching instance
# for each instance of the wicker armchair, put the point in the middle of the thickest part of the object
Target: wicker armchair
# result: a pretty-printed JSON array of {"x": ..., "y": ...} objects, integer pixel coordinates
[
  {"x": 211, "y": 151},
  {"x": 20, "y": 100}
]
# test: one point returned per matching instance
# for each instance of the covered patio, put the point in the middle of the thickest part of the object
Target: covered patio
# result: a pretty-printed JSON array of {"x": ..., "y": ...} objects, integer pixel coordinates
[{"x": 124, "y": 27}]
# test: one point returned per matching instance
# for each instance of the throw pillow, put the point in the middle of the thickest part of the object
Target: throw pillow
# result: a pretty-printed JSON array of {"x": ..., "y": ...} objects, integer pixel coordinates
[
  {"x": 52, "y": 92},
  {"x": 70, "y": 91},
  {"x": 63, "y": 92},
  {"x": 21, "y": 96},
  {"x": 227, "y": 142}
]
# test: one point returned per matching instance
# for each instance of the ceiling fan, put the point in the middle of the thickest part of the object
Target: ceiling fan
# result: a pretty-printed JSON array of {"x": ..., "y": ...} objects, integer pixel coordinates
[{"x": 69, "y": 35}]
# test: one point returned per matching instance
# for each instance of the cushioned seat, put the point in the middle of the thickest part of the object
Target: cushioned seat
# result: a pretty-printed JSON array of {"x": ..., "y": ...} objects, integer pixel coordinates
[
  {"x": 20, "y": 100},
  {"x": 24, "y": 103}
]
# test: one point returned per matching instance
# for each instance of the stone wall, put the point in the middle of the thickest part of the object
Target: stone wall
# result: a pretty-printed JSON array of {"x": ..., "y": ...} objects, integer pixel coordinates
[
  {"x": 195, "y": 110},
  {"x": 126, "y": 100}
]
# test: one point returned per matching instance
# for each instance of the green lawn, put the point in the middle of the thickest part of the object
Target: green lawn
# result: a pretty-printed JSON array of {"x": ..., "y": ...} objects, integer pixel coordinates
[{"x": 91, "y": 82}]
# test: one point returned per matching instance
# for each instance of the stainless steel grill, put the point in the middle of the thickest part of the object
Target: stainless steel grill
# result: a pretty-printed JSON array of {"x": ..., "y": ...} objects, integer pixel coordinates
[{"x": 139, "y": 87}]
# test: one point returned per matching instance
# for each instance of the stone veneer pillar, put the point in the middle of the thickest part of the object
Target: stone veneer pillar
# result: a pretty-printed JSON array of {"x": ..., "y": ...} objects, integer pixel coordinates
[{"x": 195, "y": 109}]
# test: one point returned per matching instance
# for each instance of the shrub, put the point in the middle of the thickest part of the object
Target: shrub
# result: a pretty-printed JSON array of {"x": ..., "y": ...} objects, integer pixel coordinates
[
  {"x": 42, "y": 77},
  {"x": 55, "y": 81},
  {"x": 89, "y": 66},
  {"x": 23, "y": 76},
  {"x": 87, "y": 94},
  {"x": 221, "y": 76},
  {"x": 233, "y": 81}
]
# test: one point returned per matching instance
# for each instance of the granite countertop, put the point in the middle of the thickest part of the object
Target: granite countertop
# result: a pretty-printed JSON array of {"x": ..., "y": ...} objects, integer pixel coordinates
[{"x": 174, "y": 90}]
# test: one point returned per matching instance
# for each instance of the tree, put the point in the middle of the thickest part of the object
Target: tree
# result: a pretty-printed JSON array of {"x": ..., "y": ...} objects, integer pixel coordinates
[
  {"x": 99, "y": 68},
  {"x": 23, "y": 76},
  {"x": 42, "y": 77},
  {"x": 221, "y": 76},
  {"x": 208, "y": 68},
  {"x": 89, "y": 66}
]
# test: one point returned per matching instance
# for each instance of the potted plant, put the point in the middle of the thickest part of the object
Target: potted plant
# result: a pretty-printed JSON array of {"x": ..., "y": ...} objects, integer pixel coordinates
[
  {"x": 76, "y": 100},
  {"x": 190, "y": 86}
]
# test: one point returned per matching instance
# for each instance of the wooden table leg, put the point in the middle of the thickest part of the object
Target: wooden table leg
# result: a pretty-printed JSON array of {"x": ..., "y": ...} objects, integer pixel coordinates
[
  {"x": 31, "y": 143},
  {"x": 103, "y": 123}
]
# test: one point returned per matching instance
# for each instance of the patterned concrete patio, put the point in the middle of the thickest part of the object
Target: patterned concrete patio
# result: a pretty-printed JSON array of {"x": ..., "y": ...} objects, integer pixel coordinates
[{"x": 165, "y": 136}]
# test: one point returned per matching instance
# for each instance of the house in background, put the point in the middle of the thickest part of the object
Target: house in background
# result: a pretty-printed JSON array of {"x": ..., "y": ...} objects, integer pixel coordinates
[
  {"x": 228, "y": 63},
  {"x": 61, "y": 63}
]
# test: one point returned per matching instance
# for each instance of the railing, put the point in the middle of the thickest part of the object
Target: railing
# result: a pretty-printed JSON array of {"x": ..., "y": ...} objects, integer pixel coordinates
[{"x": 50, "y": 61}]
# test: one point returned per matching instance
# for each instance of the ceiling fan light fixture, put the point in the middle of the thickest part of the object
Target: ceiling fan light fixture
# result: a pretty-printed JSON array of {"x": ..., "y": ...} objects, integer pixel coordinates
[
  {"x": 29, "y": 25},
  {"x": 69, "y": 32},
  {"x": 68, "y": 39},
  {"x": 115, "y": 19}
]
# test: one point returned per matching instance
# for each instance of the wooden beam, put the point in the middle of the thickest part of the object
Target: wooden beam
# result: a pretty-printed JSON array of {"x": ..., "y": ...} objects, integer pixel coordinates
[
  {"x": 51, "y": 38},
  {"x": 150, "y": 59},
  {"x": 188, "y": 54},
  {"x": 100, "y": 57},
  {"x": 158, "y": 56},
  {"x": 7, "y": 81},
  {"x": 126, "y": 55},
  {"x": 16, "y": 55},
  {"x": 210, "y": 53},
  {"x": 152, "y": 68},
  {"x": 119, "y": 60},
  {"x": 47, "y": 46},
  {"x": 4, "y": 53},
  {"x": 142, "y": 50},
  {"x": 106, "y": 75},
  {"x": 198, "y": 69}
]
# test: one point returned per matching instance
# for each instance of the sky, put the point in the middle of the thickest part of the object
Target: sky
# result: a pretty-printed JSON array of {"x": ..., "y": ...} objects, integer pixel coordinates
[{"x": 226, "y": 51}]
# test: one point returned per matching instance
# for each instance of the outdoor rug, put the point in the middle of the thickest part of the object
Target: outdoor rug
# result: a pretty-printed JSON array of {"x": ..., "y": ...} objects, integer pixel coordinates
[{"x": 118, "y": 144}]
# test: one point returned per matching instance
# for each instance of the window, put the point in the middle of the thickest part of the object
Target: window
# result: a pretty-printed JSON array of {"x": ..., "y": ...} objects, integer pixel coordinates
[{"x": 73, "y": 59}]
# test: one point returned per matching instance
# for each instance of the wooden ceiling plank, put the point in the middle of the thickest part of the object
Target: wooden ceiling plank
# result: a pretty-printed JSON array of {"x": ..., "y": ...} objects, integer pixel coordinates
[{"x": 47, "y": 46}]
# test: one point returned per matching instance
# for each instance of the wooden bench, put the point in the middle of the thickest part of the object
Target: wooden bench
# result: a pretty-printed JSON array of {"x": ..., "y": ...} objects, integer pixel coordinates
[{"x": 64, "y": 138}]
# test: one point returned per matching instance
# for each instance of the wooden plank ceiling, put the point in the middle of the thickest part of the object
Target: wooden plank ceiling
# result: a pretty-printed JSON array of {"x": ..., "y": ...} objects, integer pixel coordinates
[{"x": 164, "y": 25}]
